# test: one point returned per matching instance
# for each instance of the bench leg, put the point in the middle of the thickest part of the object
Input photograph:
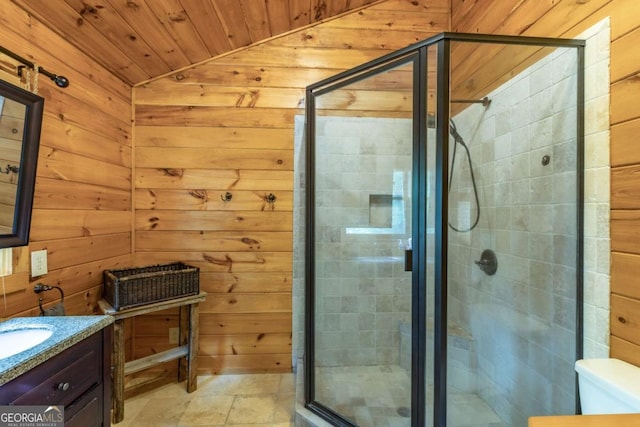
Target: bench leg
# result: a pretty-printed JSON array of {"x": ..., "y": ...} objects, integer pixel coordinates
[
  {"x": 194, "y": 332},
  {"x": 184, "y": 339},
  {"x": 117, "y": 377}
]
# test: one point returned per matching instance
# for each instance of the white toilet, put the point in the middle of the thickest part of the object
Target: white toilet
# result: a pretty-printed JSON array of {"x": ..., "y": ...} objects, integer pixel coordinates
[{"x": 608, "y": 386}]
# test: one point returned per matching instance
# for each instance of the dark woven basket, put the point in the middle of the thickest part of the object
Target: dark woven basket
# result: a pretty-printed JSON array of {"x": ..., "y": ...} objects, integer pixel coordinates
[{"x": 131, "y": 287}]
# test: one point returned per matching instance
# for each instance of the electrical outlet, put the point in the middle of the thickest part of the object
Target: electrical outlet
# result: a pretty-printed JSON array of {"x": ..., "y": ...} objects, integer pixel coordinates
[
  {"x": 39, "y": 263},
  {"x": 174, "y": 335}
]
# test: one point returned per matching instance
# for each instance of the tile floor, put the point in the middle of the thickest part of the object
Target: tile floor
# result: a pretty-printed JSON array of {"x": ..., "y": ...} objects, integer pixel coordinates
[
  {"x": 262, "y": 400},
  {"x": 221, "y": 400}
]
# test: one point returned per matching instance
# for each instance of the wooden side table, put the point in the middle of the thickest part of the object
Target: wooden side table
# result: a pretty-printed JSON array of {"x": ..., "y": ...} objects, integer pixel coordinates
[{"x": 187, "y": 351}]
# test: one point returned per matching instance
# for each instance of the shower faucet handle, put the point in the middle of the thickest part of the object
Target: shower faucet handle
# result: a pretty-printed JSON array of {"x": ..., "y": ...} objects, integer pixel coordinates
[{"x": 488, "y": 262}]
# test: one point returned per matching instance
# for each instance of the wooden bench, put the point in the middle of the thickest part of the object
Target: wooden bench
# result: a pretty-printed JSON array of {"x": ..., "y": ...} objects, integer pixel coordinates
[{"x": 186, "y": 351}]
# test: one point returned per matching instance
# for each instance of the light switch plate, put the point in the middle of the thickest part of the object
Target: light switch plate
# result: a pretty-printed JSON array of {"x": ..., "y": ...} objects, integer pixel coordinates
[{"x": 39, "y": 263}]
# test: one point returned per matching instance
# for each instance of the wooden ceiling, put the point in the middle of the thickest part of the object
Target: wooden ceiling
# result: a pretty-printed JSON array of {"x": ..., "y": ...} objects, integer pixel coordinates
[{"x": 140, "y": 39}]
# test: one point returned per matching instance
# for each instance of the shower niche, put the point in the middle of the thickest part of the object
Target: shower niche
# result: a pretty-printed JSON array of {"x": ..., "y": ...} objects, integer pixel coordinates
[{"x": 433, "y": 152}]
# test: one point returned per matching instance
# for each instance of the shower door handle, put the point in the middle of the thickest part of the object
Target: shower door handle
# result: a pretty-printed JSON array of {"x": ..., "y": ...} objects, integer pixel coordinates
[{"x": 408, "y": 260}]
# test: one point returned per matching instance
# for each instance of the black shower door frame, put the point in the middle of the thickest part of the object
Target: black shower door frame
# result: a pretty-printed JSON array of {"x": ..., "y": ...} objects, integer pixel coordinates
[{"x": 417, "y": 53}]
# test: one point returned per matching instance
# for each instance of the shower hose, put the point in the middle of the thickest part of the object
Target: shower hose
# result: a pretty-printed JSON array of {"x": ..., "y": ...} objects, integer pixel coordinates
[{"x": 458, "y": 140}]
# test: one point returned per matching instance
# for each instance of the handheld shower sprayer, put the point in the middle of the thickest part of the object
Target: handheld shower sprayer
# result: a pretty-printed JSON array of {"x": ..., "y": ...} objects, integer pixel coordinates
[{"x": 453, "y": 130}]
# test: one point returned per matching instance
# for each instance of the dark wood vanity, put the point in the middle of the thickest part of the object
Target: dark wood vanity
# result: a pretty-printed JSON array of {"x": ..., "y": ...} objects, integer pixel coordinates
[{"x": 77, "y": 378}]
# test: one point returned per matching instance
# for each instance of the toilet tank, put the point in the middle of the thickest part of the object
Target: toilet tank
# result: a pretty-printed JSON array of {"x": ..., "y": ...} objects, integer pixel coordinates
[{"x": 608, "y": 386}]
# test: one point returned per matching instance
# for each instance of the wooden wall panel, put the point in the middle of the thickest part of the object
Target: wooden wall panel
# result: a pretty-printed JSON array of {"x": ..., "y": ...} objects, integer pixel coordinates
[
  {"x": 243, "y": 363},
  {"x": 625, "y": 160},
  {"x": 227, "y": 126},
  {"x": 260, "y": 220},
  {"x": 188, "y": 116},
  {"x": 625, "y": 350},
  {"x": 625, "y": 146},
  {"x": 245, "y": 323},
  {"x": 623, "y": 96},
  {"x": 221, "y": 262},
  {"x": 64, "y": 253},
  {"x": 625, "y": 323},
  {"x": 232, "y": 241},
  {"x": 57, "y": 194},
  {"x": 622, "y": 64},
  {"x": 82, "y": 211},
  {"x": 203, "y": 137},
  {"x": 213, "y": 158},
  {"x": 625, "y": 187},
  {"x": 234, "y": 179},
  {"x": 245, "y": 344},
  {"x": 246, "y": 282},
  {"x": 219, "y": 96},
  {"x": 65, "y": 137},
  {"x": 624, "y": 274},
  {"x": 58, "y": 224},
  {"x": 567, "y": 19},
  {"x": 212, "y": 199}
]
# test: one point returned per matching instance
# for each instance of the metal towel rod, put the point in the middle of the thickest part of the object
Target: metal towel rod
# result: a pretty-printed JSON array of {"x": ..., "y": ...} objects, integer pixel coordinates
[{"x": 61, "y": 81}]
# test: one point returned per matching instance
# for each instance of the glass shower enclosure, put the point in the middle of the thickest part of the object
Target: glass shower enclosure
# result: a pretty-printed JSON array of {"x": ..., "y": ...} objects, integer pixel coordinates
[{"x": 443, "y": 250}]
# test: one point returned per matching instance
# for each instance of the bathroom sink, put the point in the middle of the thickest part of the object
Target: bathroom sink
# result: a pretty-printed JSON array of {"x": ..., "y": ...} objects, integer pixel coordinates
[{"x": 14, "y": 341}]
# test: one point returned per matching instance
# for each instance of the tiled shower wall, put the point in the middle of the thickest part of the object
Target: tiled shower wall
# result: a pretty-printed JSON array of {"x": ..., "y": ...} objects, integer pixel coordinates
[
  {"x": 362, "y": 224},
  {"x": 523, "y": 317}
]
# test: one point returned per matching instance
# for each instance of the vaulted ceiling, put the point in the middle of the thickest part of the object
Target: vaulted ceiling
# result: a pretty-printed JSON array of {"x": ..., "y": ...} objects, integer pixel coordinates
[{"x": 140, "y": 39}]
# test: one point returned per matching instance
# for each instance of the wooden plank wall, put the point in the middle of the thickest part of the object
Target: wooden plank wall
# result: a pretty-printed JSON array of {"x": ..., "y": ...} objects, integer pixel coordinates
[
  {"x": 227, "y": 126},
  {"x": 567, "y": 18},
  {"x": 82, "y": 212}
]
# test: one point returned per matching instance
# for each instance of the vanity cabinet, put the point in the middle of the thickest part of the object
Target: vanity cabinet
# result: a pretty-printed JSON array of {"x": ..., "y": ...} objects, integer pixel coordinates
[{"x": 78, "y": 378}]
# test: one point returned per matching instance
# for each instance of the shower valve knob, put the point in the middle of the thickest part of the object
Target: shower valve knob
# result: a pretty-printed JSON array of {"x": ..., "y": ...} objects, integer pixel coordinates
[{"x": 488, "y": 262}]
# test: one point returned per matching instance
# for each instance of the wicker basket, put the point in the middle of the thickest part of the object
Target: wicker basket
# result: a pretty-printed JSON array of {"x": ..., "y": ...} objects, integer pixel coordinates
[{"x": 131, "y": 287}]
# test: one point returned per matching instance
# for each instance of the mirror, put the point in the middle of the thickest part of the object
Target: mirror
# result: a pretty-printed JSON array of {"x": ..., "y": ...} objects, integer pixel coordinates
[{"x": 20, "y": 123}]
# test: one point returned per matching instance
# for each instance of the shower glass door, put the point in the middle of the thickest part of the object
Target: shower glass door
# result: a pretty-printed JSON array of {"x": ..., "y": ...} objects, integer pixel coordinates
[
  {"x": 361, "y": 194},
  {"x": 444, "y": 234},
  {"x": 514, "y": 256}
]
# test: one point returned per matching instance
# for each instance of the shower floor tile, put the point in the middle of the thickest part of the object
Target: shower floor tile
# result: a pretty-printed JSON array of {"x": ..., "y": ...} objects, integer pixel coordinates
[
  {"x": 469, "y": 410},
  {"x": 373, "y": 396}
]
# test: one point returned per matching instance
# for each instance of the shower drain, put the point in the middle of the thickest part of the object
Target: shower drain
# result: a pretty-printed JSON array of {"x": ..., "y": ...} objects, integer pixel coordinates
[{"x": 405, "y": 412}]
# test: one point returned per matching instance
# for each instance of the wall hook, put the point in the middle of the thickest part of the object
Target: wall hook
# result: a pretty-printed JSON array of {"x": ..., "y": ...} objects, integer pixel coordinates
[
  {"x": 226, "y": 197},
  {"x": 270, "y": 198},
  {"x": 10, "y": 169},
  {"x": 56, "y": 310}
]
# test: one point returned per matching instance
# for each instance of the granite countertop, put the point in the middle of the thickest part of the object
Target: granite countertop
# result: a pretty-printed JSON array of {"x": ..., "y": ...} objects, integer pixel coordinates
[{"x": 67, "y": 331}]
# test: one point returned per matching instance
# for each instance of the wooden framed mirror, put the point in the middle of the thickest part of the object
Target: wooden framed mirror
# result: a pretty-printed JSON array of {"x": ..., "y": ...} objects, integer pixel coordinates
[{"x": 20, "y": 126}]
